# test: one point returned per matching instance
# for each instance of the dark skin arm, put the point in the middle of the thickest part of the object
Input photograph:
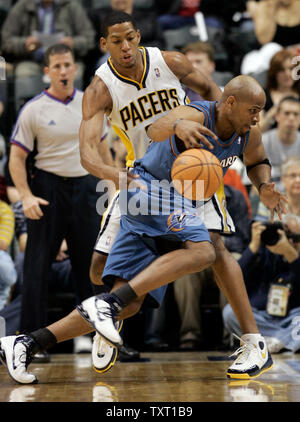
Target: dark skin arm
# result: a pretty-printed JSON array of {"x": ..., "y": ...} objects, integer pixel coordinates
[
  {"x": 269, "y": 196},
  {"x": 96, "y": 102},
  {"x": 190, "y": 76},
  {"x": 189, "y": 128}
]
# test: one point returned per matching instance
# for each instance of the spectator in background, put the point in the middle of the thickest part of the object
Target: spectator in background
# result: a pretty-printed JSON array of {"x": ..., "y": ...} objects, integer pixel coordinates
[
  {"x": 280, "y": 143},
  {"x": 279, "y": 84},
  {"x": 291, "y": 183},
  {"x": 202, "y": 56},
  {"x": 283, "y": 141},
  {"x": 271, "y": 268},
  {"x": 278, "y": 21},
  {"x": 151, "y": 34},
  {"x": 8, "y": 274},
  {"x": 179, "y": 13},
  {"x": 28, "y": 25}
]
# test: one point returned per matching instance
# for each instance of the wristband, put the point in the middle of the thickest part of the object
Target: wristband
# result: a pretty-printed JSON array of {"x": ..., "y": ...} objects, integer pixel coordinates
[{"x": 175, "y": 124}]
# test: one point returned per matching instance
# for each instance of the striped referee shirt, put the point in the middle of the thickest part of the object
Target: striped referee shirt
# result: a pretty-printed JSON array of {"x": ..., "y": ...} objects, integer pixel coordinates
[{"x": 54, "y": 124}]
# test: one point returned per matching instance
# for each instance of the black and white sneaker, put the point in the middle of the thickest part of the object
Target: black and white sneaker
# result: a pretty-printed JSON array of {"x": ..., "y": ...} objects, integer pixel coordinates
[
  {"x": 16, "y": 353},
  {"x": 104, "y": 355},
  {"x": 101, "y": 312},
  {"x": 253, "y": 358}
]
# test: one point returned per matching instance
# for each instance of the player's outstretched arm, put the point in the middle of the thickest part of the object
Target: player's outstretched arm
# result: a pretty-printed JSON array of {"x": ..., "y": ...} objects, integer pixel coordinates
[
  {"x": 184, "y": 121},
  {"x": 191, "y": 77},
  {"x": 259, "y": 172},
  {"x": 96, "y": 101}
]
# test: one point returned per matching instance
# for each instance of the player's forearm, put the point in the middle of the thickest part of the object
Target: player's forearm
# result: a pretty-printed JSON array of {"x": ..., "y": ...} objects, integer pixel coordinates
[
  {"x": 165, "y": 126},
  {"x": 213, "y": 93},
  {"x": 160, "y": 131},
  {"x": 17, "y": 168},
  {"x": 260, "y": 174},
  {"x": 92, "y": 161}
]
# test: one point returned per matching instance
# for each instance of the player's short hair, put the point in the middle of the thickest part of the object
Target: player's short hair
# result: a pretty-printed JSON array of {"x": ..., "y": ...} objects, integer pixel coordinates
[
  {"x": 57, "y": 49},
  {"x": 200, "y": 47},
  {"x": 114, "y": 18}
]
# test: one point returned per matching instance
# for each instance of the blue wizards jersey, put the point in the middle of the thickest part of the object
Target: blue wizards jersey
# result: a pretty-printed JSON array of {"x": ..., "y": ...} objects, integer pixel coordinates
[{"x": 160, "y": 156}]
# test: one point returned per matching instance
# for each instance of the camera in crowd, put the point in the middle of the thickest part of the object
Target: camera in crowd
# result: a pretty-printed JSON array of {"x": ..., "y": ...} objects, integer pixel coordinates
[{"x": 270, "y": 236}]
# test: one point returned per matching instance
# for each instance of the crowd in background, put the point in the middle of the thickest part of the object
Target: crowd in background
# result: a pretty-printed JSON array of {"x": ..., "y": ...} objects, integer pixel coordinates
[{"x": 259, "y": 38}]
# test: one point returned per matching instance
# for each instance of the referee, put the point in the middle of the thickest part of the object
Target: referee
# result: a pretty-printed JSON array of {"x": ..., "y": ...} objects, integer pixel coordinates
[{"x": 59, "y": 201}]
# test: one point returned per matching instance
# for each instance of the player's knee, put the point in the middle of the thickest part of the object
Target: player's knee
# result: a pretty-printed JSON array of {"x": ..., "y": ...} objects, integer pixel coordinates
[
  {"x": 210, "y": 255},
  {"x": 205, "y": 256},
  {"x": 97, "y": 267}
]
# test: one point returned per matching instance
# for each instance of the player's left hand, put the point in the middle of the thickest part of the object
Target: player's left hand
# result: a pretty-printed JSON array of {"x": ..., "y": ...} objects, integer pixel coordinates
[{"x": 273, "y": 199}]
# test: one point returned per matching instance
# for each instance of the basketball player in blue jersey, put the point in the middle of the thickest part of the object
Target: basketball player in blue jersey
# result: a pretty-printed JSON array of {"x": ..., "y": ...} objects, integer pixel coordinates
[
  {"x": 233, "y": 120},
  {"x": 141, "y": 262}
]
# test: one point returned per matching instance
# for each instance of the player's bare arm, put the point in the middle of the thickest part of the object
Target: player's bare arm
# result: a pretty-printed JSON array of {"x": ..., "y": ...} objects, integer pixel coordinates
[
  {"x": 17, "y": 167},
  {"x": 259, "y": 172},
  {"x": 186, "y": 123},
  {"x": 190, "y": 76},
  {"x": 96, "y": 102}
]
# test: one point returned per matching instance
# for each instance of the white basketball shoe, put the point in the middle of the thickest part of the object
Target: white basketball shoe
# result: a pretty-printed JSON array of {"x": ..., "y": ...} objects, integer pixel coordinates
[
  {"x": 16, "y": 353},
  {"x": 104, "y": 355},
  {"x": 253, "y": 358},
  {"x": 101, "y": 312}
]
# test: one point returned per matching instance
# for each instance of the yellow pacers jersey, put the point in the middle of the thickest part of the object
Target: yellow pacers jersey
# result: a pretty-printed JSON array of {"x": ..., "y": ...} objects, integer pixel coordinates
[{"x": 138, "y": 104}]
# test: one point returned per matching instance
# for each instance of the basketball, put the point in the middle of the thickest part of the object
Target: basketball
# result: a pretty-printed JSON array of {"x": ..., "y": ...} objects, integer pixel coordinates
[{"x": 196, "y": 174}]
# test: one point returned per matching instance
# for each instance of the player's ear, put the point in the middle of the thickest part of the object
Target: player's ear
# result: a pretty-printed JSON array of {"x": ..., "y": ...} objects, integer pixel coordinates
[
  {"x": 138, "y": 35},
  {"x": 231, "y": 100},
  {"x": 103, "y": 44}
]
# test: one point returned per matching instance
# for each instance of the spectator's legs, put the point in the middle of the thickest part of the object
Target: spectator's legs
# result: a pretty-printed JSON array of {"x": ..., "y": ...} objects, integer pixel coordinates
[{"x": 8, "y": 277}]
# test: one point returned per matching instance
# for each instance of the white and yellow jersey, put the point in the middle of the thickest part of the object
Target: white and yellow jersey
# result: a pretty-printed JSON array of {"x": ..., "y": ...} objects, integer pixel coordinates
[{"x": 138, "y": 104}]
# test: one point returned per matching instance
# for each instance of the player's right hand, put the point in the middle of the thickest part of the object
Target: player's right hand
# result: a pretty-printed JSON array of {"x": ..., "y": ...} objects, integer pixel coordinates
[
  {"x": 129, "y": 180},
  {"x": 31, "y": 206},
  {"x": 193, "y": 134}
]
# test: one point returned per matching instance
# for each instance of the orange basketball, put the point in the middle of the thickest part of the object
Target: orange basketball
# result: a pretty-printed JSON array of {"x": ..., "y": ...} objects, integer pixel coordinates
[{"x": 196, "y": 174}]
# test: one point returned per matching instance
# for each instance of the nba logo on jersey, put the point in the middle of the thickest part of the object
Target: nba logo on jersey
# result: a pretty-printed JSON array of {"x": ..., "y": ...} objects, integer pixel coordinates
[
  {"x": 239, "y": 140},
  {"x": 157, "y": 72}
]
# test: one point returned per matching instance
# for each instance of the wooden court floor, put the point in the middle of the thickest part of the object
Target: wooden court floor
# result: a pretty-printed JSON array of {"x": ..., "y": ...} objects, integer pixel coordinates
[{"x": 158, "y": 377}]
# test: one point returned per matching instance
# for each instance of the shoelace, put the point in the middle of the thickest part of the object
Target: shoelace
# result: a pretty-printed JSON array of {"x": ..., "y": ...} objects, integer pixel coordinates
[
  {"x": 110, "y": 312},
  {"x": 243, "y": 350}
]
